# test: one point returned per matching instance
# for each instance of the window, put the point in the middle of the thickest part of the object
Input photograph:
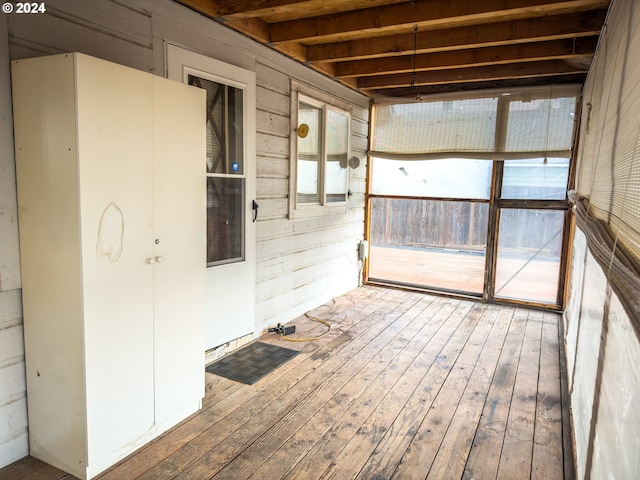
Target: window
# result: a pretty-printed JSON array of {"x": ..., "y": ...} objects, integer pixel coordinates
[
  {"x": 225, "y": 172},
  {"x": 468, "y": 193},
  {"x": 320, "y": 149}
]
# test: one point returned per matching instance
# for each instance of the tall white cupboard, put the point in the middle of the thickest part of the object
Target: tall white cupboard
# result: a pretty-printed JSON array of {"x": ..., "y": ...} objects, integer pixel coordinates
[{"x": 112, "y": 219}]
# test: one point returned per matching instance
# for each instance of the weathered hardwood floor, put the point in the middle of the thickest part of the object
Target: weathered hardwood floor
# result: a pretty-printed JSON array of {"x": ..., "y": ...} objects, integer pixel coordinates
[{"x": 406, "y": 385}]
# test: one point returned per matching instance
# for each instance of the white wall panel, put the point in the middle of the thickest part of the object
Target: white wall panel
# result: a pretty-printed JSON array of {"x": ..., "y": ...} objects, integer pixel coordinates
[
  {"x": 616, "y": 452},
  {"x": 571, "y": 315},
  {"x": 588, "y": 348}
]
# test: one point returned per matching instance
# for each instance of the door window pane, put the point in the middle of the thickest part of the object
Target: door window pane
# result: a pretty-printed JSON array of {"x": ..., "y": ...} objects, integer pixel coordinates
[
  {"x": 535, "y": 179},
  {"x": 430, "y": 243},
  {"x": 225, "y": 220},
  {"x": 529, "y": 252},
  {"x": 224, "y": 126},
  {"x": 225, "y": 158}
]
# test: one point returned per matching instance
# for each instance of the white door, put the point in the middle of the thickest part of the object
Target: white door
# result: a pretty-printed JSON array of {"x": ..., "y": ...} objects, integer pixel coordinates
[
  {"x": 229, "y": 173},
  {"x": 178, "y": 249}
]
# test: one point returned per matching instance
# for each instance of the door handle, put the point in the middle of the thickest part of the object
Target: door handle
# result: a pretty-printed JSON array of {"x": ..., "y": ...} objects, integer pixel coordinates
[{"x": 255, "y": 207}]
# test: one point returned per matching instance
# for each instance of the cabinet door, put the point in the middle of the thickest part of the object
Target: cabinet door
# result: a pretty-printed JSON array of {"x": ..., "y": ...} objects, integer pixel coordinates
[
  {"x": 115, "y": 187},
  {"x": 180, "y": 250}
]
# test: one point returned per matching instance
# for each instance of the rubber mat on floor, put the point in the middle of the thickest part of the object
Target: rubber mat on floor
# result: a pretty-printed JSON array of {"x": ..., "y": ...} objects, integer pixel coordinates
[{"x": 251, "y": 363}]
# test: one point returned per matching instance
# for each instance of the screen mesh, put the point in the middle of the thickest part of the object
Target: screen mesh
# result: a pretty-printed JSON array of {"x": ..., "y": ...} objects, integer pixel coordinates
[
  {"x": 490, "y": 125},
  {"x": 541, "y": 124},
  {"x": 609, "y": 159},
  {"x": 436, "y": 126}
]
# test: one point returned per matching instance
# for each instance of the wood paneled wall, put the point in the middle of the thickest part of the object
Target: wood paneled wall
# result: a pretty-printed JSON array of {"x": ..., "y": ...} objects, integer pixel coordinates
[{"x": 301, "y": 263}]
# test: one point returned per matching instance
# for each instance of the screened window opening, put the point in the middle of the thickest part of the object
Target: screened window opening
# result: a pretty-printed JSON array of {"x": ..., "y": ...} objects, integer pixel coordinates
[
  {"x": 529, "y": 254},
  {"x": 469, "y": 194},
  {"x": 435, "y": 243},
  {"x": 447, "y": 178},
  {"x": 535, "y": 179}
]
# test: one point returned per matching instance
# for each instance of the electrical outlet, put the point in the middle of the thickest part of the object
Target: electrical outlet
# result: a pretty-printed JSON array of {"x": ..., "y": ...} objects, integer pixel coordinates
[{"x": 363, "y": 249}]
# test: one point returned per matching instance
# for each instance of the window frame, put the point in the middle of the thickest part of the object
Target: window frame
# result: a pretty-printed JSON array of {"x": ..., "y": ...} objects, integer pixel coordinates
[
  {"x": 497, "y": 203},
  {"x": 310, "y": 96}
]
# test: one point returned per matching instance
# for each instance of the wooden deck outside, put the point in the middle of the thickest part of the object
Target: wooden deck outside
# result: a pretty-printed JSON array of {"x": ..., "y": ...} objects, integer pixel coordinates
[
  {"x": 406, "y": 385},
  {"x": 517, "y": 278}
]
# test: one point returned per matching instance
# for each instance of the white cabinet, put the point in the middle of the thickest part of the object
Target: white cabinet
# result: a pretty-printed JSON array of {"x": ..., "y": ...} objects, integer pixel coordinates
[{"x": 112, "y": 235}]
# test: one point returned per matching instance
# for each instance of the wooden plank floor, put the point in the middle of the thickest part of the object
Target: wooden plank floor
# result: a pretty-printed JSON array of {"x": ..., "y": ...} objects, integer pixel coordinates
[{"x": 406, "y": 385}]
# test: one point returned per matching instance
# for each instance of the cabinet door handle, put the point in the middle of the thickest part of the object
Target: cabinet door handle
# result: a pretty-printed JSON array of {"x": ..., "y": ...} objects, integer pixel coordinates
[
  {"x": 159, "y": 259},
  {"x": 151, "y": 260}
]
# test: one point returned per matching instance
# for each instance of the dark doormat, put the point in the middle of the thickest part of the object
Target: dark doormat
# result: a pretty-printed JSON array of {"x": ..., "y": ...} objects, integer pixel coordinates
[{"x": 251, "y": 363}]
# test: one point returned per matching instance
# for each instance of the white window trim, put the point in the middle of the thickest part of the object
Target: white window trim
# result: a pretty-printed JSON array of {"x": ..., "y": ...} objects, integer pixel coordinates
[{"x": 325, "y": 101}]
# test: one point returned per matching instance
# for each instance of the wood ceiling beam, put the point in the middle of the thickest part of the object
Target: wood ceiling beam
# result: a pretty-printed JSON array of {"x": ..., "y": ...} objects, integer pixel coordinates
[
  {"x": 210, "y": 8},
  {"x": 419, "y": 93},
  {"x": 274, "y": 11},
  {"x": 555, "y": 49},
  {"x": 502, "y": 33},
  {"x": 251, "y": 27},
  {"x": 256, "y": 8},
  {"x": 380, "y": 20},
  {"x": 474, "y": 74}
]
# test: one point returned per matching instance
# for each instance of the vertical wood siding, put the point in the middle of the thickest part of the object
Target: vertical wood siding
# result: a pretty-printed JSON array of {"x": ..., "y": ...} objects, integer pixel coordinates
[{"x": 301, "y": 263}]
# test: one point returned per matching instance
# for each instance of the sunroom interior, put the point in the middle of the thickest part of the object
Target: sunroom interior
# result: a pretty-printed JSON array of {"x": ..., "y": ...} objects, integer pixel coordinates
[{"x": 444, "y": 200}]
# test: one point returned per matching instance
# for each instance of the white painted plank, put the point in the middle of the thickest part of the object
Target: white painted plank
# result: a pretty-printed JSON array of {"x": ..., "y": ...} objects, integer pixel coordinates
[
  {"x": 270, "y": 186},
  {"x": 271, "y": 208},
  {"x": 21, "y": 48},
  {"x": 12, "y": 379},
  {"x": 269, "y": 144},
  {"x": 276, "y": 80},
  {"x": 14, "y": 446},
  {"x": 272, "y": 166},
  {"x": 306, "y": 241},
  {"x": 272, "y": 123},
  {"x": 10, "y": 309},
  {"x": 66, "y": 36},
  {"x": 358, "y": 143},
  {"x": 288, "y": 305},
  {"x": 359, "y": 125},
  {"x": 272, "y": 101},
  {"x": 111, "y": 18},
  {"x": 271, "y": 269},
  {"x": 11, "y": 345},
  {"x": 9, "y": 249},
  {"x": 13, "y": 416},
  {"x": 276, "y": 228}
]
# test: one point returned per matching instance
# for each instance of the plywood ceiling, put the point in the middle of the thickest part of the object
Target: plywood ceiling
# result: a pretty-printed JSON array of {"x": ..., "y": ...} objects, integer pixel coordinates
[{"x": 414, "y": 48}]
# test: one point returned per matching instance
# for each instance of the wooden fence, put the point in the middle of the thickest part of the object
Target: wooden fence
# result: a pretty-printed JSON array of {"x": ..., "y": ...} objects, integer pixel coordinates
[{"x": 462, "y": 225}]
